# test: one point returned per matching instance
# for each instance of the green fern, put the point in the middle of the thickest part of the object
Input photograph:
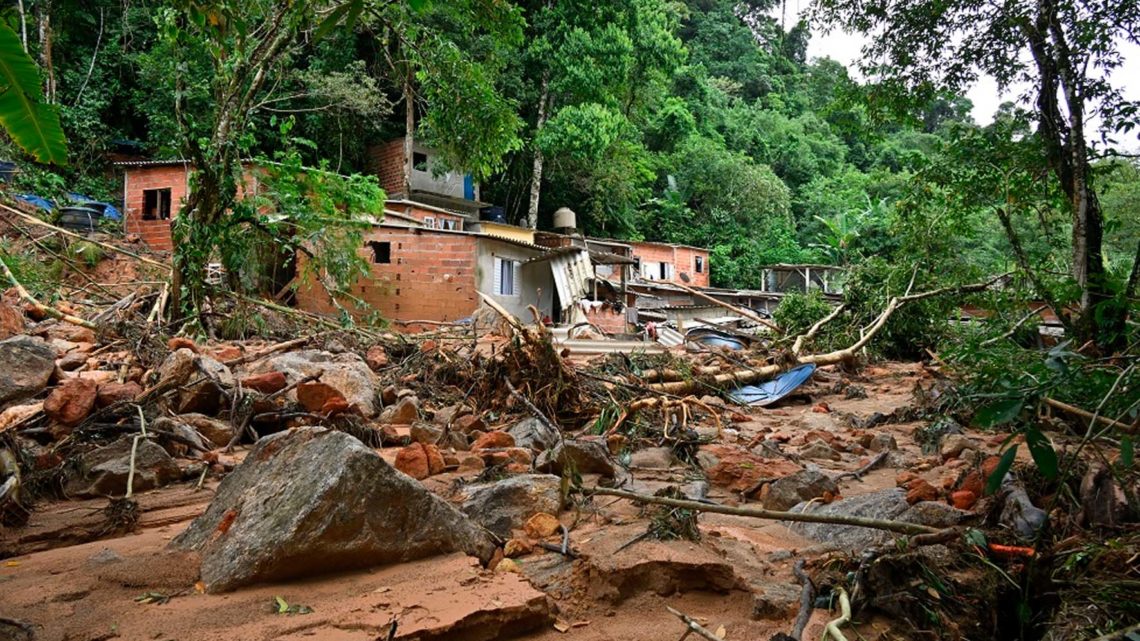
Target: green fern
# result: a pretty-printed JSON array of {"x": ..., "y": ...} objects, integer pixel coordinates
[{"x": 32, "y": 124}]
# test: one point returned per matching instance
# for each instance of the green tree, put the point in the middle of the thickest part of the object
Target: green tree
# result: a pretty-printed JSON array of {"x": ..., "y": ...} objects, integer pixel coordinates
[{"x": 1061, "y": 50}]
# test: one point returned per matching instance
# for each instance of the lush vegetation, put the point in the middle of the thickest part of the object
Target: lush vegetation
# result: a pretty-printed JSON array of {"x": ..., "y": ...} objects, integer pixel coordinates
[{"x": 697, "y": 121}]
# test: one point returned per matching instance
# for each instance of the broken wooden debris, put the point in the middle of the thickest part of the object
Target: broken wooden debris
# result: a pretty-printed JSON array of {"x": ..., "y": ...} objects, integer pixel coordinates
[{"x": 693, "y": 626}]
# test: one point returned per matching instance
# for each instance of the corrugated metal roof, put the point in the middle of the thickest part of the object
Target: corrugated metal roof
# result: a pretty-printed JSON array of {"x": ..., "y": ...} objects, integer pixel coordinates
[{"x": 151, "y": 163}]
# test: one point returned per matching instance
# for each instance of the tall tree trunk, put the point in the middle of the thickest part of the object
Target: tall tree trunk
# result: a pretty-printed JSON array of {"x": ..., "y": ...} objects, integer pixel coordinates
[
  {"x": 409, "y": 132},
  {"x": 536, "y": 172},
  {"x": 43, "y": 18},
  {"x": 23, "y": 24}
]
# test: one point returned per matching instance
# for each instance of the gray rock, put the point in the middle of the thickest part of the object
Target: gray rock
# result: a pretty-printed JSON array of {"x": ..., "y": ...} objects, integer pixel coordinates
[
  {"x": 309, "y": 501},
  {"x": 883, "y": 442},
  {"x": 818, "y": 450},
  {"x": 887, "y": 504},
  {"x": 1021, "y": 515},
  {"x": 804, "y": 485},
  {"x": 106, "y": 469},
  {"x": 534, "y": 434},
  {"x": 953, "y": 445},
  {"x": 653, "y": 457},
  {"x": 183, "y": 431},
  {"x": 200, "y": 379},
  {"x": 776, "y": 601},
  {"x": 585, "y": 457},
  {"x": 405, "y": 412},
  {"x": 505, "y": 505},
  {"x": 104, "y": 556},
  {"x": 28, "y": 365},
  {"x": 215, "y": 431},
  {"x": 347, "y": 373},
  {"x": 428, "y": 433},
  {"x": 444, "y": 416}
]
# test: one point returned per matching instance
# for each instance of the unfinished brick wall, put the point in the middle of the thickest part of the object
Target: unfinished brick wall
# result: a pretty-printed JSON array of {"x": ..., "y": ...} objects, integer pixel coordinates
[
  {"x": 431, "y": 276},
  {"x": 386, "y": 161},
  {"x": 682, "y": 258},
  {"x": 607, "y": 319},
  {"x": 155, "y": 233}
]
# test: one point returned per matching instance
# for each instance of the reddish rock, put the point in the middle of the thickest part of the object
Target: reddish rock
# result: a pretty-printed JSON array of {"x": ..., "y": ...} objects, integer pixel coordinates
[
  {"x": 517, "y": 547},
  {"x": 226, "y": 353},
  {"x": 413, "y": 461},
  {"x": 492, "y": 440},
  {"x": 111, "y": 393},
  {"x": 376, "y": 357},
  {"x": 435, "y": 461},
  {"x": 336, "y": 405},
  {"x": 904, "y": 478},
  {"x": 515, "y": 468},
  {"x": 314, "y": 394},
  {"x": 919, "y": 490},
  {"x": 33, "y": 312},
  {"x": 71, "y": 361},
  {"x": 428, "y": 346},
  {"x": 822, "y": 408},
  {"x": 71, "y": 402},
  {"x": 471, "y": 463},
  {"x": 419, "y": 461},
  {"x": 266, "y": 383},
  {"x": 469, "y": 423},
  {"x": 71, "y": 333},
  {"x": 963, "y": 499},
  {"x": 739, "y": 470},
  {"x": 541, "y": 525},
  {"x": 12, "y": 321},
  {"x": 520, "y": 455},
  {"x": 180, "y": 342},
  {"x": 388, "y": 396}
]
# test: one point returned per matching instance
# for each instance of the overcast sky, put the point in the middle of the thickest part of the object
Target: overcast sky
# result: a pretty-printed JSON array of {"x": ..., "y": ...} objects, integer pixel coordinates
[{"x": 845, "y": 48}]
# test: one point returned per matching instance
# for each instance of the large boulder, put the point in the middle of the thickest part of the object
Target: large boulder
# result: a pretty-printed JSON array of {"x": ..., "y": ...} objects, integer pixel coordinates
[
  {"x": 347, "y": 373},
  {"x": 584, "y": 457},
  {"x": 28, "y": 365},
  {"x": 804, "y": 485},
  {"x": 534, "y": 434},
  {"x": 890, "y": 504},
  {"x": 199, "y": 378},
  {"x": 506, "y": 505},
  {"x": 311, "y": 500},
  {"x": 106, "y": 469}
]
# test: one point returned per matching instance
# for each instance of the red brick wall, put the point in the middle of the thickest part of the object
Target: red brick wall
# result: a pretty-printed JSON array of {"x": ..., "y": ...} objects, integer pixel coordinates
[
  {"x": 680, "y": 257},
  {"x": 386, "y": 161},
  {"x": 431, "y": 277},
  {"x": 155, "y": 233},
  {"x": 607, "y": 320}
]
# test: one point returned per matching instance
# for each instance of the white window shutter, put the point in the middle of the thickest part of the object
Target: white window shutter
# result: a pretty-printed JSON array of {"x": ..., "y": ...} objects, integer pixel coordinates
[
  {"x": 497, "y": 287},
  {"x": 516, "y": 284}
]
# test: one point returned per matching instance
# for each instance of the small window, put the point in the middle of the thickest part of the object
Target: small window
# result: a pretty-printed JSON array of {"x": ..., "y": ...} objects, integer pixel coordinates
[
  {"x": 419, "y": 161},
  {"x": 506, "y": 277},
  {"x": 699, "y": 264},
  {"x": 429, "y": 222},
  {"x": 447, "y": 223},
  {"x": 156, "y": 204},
  {"x": 381, "y": 251}
]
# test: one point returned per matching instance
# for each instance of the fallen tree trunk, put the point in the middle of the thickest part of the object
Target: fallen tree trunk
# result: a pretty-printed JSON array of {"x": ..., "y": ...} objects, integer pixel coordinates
[
  {"x": 744, "y": 377},
  {"x": 60, "y": 230},
  {"x": 44, "y": 309},
  {"x": 898, "y": 527}
]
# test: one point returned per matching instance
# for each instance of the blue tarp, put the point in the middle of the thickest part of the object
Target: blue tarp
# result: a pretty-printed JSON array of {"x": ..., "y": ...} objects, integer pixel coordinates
[
  {"x": 42, "y": 203},
  {"x": 773, "y": 390}
]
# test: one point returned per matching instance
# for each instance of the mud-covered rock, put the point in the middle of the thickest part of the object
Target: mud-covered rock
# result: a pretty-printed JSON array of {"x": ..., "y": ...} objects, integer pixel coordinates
[
  {"x": 803, "y": 485},
  {"x": 71, "y": 402},
  {"x": 347, "y": 373},
  {"x": 106, "y": 469},
  {"x": 200, "y": 380},
  {"x": 28, "y": 365},
  {"x": 534, "y": 434},
  {"x": 506, "y": 505},
  {"x": 309, "y": 501},
  {"x": 585, "y": 457},
  {"x": 887, "y": 504}
]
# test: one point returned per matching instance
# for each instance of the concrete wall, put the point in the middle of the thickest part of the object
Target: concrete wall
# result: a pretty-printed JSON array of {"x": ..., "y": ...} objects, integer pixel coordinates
[
  {"x": 533, "y": 277},
  {"x": 155, "y": 233},
  {"x": 386, "y": 160},
  {"x": 431, "y": 276}
]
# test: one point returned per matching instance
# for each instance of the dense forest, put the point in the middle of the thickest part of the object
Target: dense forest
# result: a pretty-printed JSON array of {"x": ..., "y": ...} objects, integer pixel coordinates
[{"x": 701, "y": 122}]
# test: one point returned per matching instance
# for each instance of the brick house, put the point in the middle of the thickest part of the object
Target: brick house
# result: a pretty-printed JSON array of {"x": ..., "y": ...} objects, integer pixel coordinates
[
  {"x": 668, "y": 262},
  {"x": 153, "y": 191},
  {"x": 421, "y": 273},
  {"x": 450, "y": 191}
]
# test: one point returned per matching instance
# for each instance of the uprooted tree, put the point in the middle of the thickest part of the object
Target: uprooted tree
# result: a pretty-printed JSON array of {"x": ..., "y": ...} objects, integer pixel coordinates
[{"x": 1063, "y": 51}]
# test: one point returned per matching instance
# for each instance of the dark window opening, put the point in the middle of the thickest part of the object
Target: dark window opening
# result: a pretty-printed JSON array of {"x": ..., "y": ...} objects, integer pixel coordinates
[
  {"x": 156, "y": 204},
  {"x": 381, "y": 251},
  {"x": 661, "y": 267},
  {"x": 419, "y": 161},
  {"x": 699, "y": 264}
]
